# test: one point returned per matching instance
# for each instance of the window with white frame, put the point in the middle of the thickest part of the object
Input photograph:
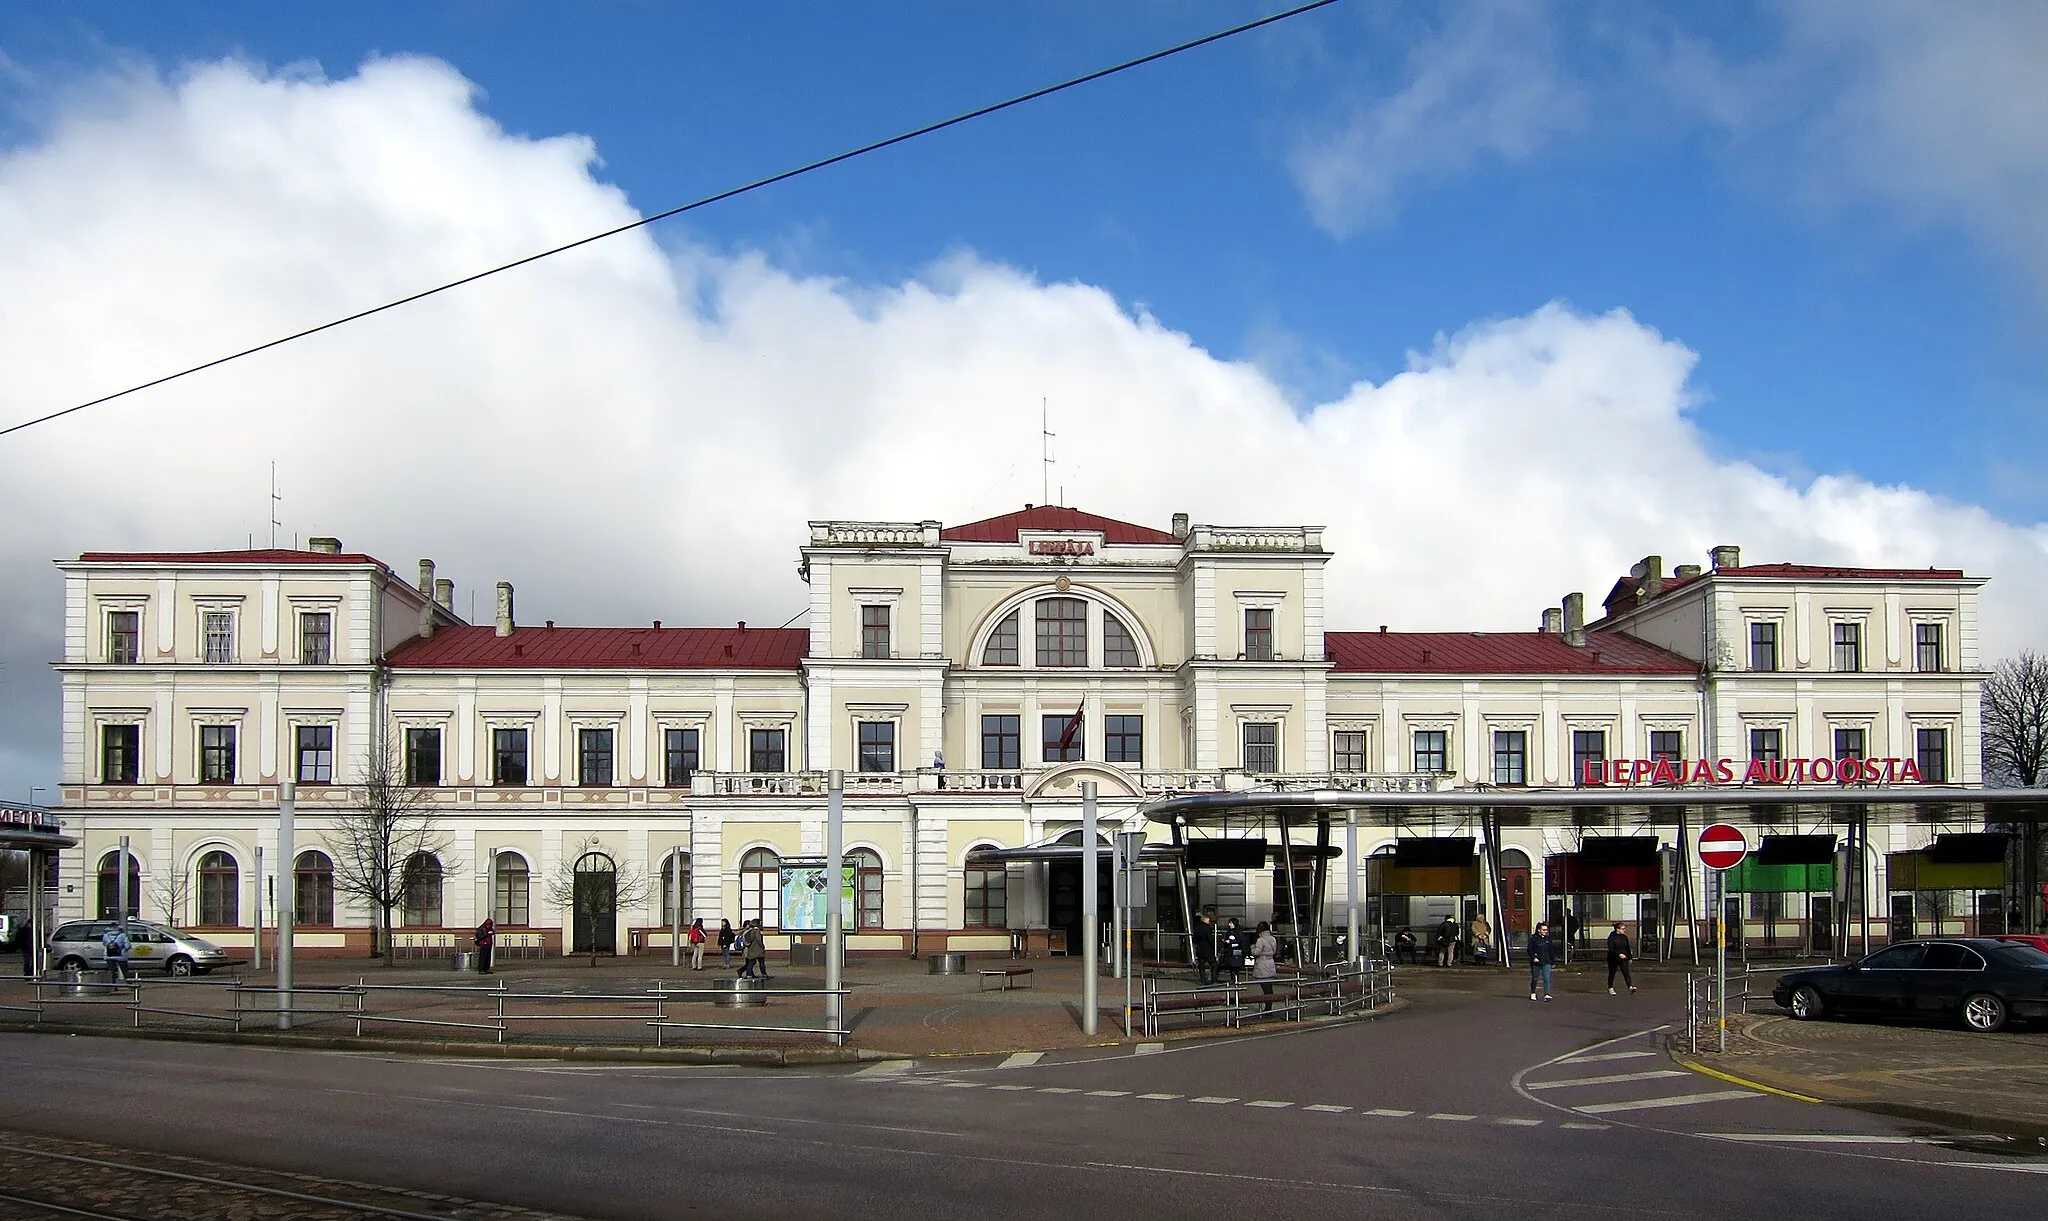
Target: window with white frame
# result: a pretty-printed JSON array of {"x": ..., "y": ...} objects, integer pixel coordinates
[
  {"x": 1002, "y": 646},
  {"x": 508, "y": 755},
  {"x": 124, "y": 637},
  {"x": 1123, "y": 739},
  {"x": 1511, "y": 756},
  {"x": 761, "y": 888},
  {"x": 1927, "y": 653},
  {"x": 1062, "y": 638},
  {"x": 1930, "y": 748},
  {"x": 216, "y": 754},
  {"x": 316, "y": 638},
  {"x": 1763, "y": 644},
  {"x": 1002, "y": 745},
  {"x": 877, "y": 745},
  {"x": 874, "y": 631},
  {"x": 1767, "y": 742},
  {"x": 1258, "y": 633},
  {"x": 422, "y": 756},
  {"x": 120, "y": 754},
  {"x": 1851, "y": 742},
  {"x": 1589, "y": 749},
  {"x": 1261, "y": 747},
  {"x": 1667, "y": 745},
  {"x": 594, "y": 757},
  {"x": 1432, "y": 750},
  {"x": 1848, "y": 647},
  {"x": 217, "y": 636},
  {"x": 985, "y": 893},
  {"x": 1119, "y": 647},
  {"x": 313, "y": 753},
  {"x": 680, "y": 756},
  {"x": 1348, "y": 750},
  {"x": 767, "y": 750}
]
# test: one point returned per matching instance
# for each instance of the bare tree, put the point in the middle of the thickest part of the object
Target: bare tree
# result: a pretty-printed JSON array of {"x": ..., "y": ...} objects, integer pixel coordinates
[
  {"x": 2015, "y": 712},
  {"x": 587, "y": 896},
  {"x": 387, "y": 823},
  {"x": 171, "y": 891}
]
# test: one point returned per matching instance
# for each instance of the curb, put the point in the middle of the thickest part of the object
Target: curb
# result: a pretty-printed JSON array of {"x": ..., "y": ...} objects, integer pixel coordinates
[
  {"x": 1746, "y": 1083},
  {"x": 758, "y": 1057},
  {"x": 2001, "y": 1125}
]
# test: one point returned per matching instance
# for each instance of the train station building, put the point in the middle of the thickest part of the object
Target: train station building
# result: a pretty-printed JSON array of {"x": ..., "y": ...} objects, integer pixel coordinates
[{"x": 967, "y": 679}]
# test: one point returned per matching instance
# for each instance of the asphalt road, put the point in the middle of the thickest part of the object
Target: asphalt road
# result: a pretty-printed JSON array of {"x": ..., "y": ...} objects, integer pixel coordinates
[{"x": 1462, "y": 1106}]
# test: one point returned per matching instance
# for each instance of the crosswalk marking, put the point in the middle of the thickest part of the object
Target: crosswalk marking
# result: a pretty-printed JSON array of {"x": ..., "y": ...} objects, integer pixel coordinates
[
  {"x": 1012, "y": 1087},
  {"x": 963, "y": 1085},
  {"x": 1453, "y": 1118},
  {"x": 1109, "y": 1093},
  {"x": 1059, "y": 1089},
  {"x": 1821, "y": 1138},
  {"x": 1610, "y": 1079},
  {"x": 1159, "y": 1097},
  {"x": 887, "y": 1068},
  {"x": 1388, "y": 1113},
  {"x": 1521, "y": 1123},
  {"x": 1269, "y": 1104},
  {"x": 1607, "y": 1055},
  {"x": 1148, "y": 1049},
  {"x": 1680, "y": 1100},
  {"x": 1022, "y": 1059},
  {"x": 1325, "y": 1107},
  {"x": 1213, "y": 1099},
  {"x": 1585, "y": 1127}
]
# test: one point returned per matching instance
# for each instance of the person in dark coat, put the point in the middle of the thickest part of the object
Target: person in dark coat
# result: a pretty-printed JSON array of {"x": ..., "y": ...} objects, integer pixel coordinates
[
  {"x": 1542, "y": 957},
  {"x": 725, "y": 939},
  {"x": 1230, "y": 949},
  {"x": 486, "y": 939},
  {"x": 1619, "y": 951},
  {"x": 1447, "y": 942},
  {"x": 1203, "y": 941}
]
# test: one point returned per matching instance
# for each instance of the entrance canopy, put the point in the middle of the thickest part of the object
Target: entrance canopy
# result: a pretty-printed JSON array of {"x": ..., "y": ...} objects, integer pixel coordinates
[{"x": 24, "y": 827}]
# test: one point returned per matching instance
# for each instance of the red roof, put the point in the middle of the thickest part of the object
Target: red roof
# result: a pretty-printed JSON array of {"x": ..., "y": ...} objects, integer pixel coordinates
[
  {"x": 272, "y": 555},
  {"x": 669, "y": 648},
  {"x": 1052, "y": 517},
  {"x": 1498, "y": 653},
  {"x": 1826, "y": 570}
]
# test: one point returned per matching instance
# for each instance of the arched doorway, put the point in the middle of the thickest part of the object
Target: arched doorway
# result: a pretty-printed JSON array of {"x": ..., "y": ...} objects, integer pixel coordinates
[
  {"x": 110, "y": 887},
  {"x": 1514, "y": 889},
  {"x": 593, "y": 917}
]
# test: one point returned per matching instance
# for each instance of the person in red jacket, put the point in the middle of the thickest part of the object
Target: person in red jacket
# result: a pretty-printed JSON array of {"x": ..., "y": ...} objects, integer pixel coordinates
[
  {"x": 486, "y": 937},
  {"x": 697, "y": 944}
]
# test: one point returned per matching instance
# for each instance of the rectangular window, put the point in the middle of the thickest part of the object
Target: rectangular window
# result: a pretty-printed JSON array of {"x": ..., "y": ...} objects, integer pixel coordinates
[
  {"x": 1589, "y": 747},
  {"x": 1432, "y": 750},
  {"x": 594, "y": 757},
  {"x": 1510, "y": 756},
  {"x": 1763, "y": 646},
  {"x": 1931, "y": 745},
  {"x": 1258, "y": 634},
  {"x": 313, "y": 746},
  {"x": 217, "y": 637},
  {"x": 1347, "y": 750},
  {"x": 986, "y": 897},
  {"x": 316, "y": 639},
  {"x": 1667, "y": 745},
  {"x": 1848, "y": 647},
  {"x": 874, "y": 631},
  {"x": 423, "y": 757},
  {"x": 120, "y": 754},
  {"x": 1123, "y": 739},
  {"x": 1062, "y": 632},
  {"x": 124, "y": 637},
  {"x": 1850, "y": 744},
  {"x": 679, "y": 756},
  {"x": 216, "y": 754},
  {"x": 1927, "y": 655},
  {"x": 765, "y": 751},
  {"x": 877, "y": 745},
  {"x": 1002, "y": 742},
  {"x": 508, "y": 756},
  {"x": 1767, "y": 744},
  {"x": 1062, "y": 737},
  {"x": 1261, "y": 747}
]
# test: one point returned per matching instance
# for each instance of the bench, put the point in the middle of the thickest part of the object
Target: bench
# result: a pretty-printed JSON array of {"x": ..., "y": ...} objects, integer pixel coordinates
[{"x": 1005, "y": 978}]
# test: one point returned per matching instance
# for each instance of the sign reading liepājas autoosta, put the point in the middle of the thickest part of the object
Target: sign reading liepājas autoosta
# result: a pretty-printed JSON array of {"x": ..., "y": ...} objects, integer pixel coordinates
[{"x": 1673, "y": 772}]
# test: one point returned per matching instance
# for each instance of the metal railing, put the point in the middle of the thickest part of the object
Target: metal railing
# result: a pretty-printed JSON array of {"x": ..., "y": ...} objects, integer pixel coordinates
[
  {"x": 1703, "y": 1003},
  {"x": 1333, "y": 991}
]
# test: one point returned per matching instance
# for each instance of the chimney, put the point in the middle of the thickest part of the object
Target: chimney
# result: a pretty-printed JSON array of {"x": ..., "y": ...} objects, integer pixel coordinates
[
  {"x": 1649, "y": 575},
  {"x": 1686, "y": 572},
  {"x": 504, "y": 608},
  {"x": 1575, "y": 620},
  {"x": 426, "y": 619},
  {"x": 426, "y": 578},
  {"x": 1725, "y": 557},
  {"x": 444, "y": 594},
  {"x": 324, "y": 545},
  {"x": 1180, "y": 525},
  {"x": 1553, "y": 622}
]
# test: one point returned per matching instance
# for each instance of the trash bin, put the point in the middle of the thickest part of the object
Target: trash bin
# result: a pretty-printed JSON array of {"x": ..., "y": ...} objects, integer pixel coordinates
[
  {"x": 736, "y": 992},
  {"x": 71, "y": 985},
  {"x": 947, "y": 964},
  {"x": 464, "y": 960}
]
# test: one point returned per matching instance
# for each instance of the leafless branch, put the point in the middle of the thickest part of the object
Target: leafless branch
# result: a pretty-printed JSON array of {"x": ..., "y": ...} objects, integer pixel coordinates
[
  {"x": 2015, "y": 711},
  {"x": 386, "y": 824}
]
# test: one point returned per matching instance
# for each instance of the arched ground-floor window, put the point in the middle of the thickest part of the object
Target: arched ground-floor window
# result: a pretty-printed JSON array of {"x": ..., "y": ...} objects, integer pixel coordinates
[
  {"x": 220, "y": 891},
  {"x": 867, "y": 887},
  {"x": 675, "y": 900},
  {"x": 511, "y": 888},
  {"x": 313, "y": 889},
  {"x": 420, "y": 891},
  {"x": 110, "y": 885},
  {"x": 761, "y": 888},
  {"x": 986, "y": 894}
]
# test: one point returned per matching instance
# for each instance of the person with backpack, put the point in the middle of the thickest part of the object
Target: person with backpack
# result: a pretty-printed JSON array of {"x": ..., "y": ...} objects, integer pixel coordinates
[
  {"x": 486, "y": 940},
  {"x": 115, "y": 942},
  {"x": 753, "y": 949},
  {"x": 1542, "y": 958},
  {"x": 697, "y": 944},
  {"x": 725, "y": 939},
  {"x": 1203, "y": 941},
  {"x": 1618, "y": 951}
]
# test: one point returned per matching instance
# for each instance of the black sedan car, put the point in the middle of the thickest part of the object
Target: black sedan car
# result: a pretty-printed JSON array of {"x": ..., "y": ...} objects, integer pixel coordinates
[{"x": 1981, "y": 980}]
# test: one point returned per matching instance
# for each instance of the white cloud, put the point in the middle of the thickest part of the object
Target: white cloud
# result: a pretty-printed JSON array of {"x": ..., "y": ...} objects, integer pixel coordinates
[{"x": 628, "y": 433}]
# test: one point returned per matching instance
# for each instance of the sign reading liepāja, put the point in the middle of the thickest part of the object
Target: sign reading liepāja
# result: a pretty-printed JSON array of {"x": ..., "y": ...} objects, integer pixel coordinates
[{"x": 1673, "y": 772}]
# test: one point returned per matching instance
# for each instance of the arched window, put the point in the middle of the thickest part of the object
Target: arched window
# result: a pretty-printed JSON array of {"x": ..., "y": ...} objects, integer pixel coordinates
[
  {"x": 1062, "y": 632},
  {"x": 1119, "y": 648},
  {"x": 673, "y": 896},
  {"x": 110, "y": 885},
  {"x": 761, "y": 888},
  {"x": 986, "y": 893},
  {"x": 510, "y": 887},
  {"x": 313, "y": 889},
  {"x": 420, "y": 891},
  {"x": 594, "y": 914},
  {"x": 220, "y": 891},
  {"x": 1001, "y": 649},
  {"x": 867, "y": 887}
]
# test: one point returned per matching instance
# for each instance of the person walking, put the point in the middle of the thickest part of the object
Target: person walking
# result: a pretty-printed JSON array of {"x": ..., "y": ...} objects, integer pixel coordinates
[
  {"x": 753, "y": 950},
  {"x": 697, "y": 940},
  {"x": 115, "y": 942},
  {"x": 725, "y": 939},
  {"x": 1265, "y": 957},
  {"x": 486, "y": 939},
  {"x": 1203, "y": 946},
  {"x": 1618, "y": 952},
  {"x": 1542, "y": 957},
  {"x": 1447, "y": 942}
]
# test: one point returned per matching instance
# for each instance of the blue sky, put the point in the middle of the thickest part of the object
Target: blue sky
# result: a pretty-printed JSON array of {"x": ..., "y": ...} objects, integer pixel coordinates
[{"x": 1836, "y": 330}]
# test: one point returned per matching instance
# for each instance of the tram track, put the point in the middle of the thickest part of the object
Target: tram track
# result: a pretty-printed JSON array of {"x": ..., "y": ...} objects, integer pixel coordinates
[{"x": 70, "y": 1178}]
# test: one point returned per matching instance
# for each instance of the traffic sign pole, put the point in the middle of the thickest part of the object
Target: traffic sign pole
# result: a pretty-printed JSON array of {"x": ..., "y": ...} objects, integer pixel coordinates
[{"x": 1721, "y": 848}]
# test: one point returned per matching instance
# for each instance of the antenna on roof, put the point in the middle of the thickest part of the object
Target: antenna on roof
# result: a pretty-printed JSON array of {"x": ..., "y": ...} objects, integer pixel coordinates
[
  {"x": 274, "y": 499},
  {"x": 1045, "y": 436}
]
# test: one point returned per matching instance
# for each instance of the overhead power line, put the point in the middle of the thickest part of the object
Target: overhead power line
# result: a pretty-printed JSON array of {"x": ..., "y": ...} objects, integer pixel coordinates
[{"x": 721, "y": 196}]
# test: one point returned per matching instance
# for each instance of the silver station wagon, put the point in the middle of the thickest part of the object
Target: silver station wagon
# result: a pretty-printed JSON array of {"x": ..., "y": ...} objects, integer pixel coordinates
[{"x": 76, "y": 946}]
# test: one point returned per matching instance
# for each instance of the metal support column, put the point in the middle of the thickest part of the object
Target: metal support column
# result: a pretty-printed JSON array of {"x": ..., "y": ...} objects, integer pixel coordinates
[
  {"x": 675, "y": 908},
  {"x": 1353, "y": 914},
  {"x": 835, "y": 932},
  {"x": 256, "y": 951},
  {"x": 287, "y": 911},
  {"x": 121, "y": 896},
  {"x": 1320, "y": 890},
  {"x": 1293, "y": 901},
  {"x": 1090, "y": 911}
]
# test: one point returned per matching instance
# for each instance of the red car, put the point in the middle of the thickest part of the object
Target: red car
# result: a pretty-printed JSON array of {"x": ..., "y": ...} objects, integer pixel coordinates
[{"x": 2038, "y": 940}]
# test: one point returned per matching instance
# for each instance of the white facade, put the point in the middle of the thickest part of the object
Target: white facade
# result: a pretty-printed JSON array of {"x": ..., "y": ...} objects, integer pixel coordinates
[{"x": 940, "y": 670}]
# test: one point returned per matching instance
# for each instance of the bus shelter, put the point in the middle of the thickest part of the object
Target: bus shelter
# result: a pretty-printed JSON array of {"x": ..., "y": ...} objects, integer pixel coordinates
[
  {"x": 30, "y": 839},
  {"x": 1813, "y": 845}
]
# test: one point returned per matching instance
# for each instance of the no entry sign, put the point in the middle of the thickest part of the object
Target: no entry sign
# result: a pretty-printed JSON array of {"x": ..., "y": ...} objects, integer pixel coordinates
[{"x": 1722, "y": 846}]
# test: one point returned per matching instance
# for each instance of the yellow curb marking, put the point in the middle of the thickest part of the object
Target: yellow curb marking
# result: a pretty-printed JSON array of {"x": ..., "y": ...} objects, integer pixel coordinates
[{"x": 1742, "y": 1081}]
